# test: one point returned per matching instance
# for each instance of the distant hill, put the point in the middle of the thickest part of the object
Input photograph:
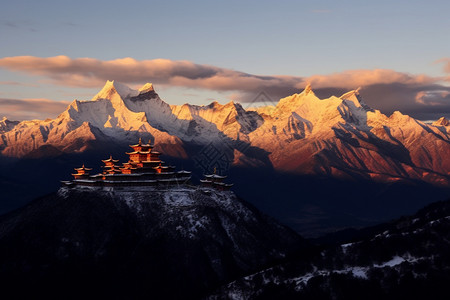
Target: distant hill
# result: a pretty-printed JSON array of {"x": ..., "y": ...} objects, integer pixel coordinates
[{"x": 404, "y": 259}]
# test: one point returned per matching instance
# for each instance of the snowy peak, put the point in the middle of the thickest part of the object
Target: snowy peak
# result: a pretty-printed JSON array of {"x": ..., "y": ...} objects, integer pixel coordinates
[
  {"x": 355, "y": 97},
  {"x": 442, "y": 122},
  {"x": 308, "y": 90},
  {"x": 112, "y": 88},
  {"x": 148, "y": 87},
  {"x": 292, "y": 103},
  {"x": 352, "y": 94}
]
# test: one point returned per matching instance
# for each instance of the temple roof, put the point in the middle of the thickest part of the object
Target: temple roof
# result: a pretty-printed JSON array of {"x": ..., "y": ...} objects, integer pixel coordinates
[
  {"x": 110, "y": 159},
  {"x": 163, "y": 167},
  {"x": 216, "y": 183},
  {"x": 138, "y": 152},
  {"x": 223, "y": 184},
  {"x": 215, "y": 176},
  {"x": 83, "y": 168},
  {"x": 139, "y": 144}
]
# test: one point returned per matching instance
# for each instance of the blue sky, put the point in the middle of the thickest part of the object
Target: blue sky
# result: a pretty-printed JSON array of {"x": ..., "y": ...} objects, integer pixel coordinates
[{"x": 293, "y": 38}]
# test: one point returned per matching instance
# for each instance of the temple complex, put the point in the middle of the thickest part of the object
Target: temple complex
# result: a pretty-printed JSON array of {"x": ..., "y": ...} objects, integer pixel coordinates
[{"x": 144, "y": 168}]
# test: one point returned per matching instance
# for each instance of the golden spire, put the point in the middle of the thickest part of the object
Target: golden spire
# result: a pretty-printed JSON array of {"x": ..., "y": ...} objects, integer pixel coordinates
[
  {"x": 215, "y": 170},
  {"x": 140, "y": 141}
]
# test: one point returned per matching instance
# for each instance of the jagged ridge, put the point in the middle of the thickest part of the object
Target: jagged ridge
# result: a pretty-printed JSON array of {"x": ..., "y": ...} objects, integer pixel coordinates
[{"x": 338, "y": 136}]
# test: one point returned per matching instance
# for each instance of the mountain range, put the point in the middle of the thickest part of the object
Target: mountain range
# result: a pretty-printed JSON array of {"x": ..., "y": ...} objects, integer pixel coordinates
[{"x": 339, "y": 136}]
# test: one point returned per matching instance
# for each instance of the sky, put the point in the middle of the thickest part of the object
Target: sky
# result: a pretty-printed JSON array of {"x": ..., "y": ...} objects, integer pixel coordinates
[{"x": 396, "y": 52}]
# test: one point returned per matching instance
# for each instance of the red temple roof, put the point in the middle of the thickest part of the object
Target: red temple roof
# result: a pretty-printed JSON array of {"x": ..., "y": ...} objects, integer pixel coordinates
[
  {"x": 110, "y": 159},
  {"x": 138, "y": 152},
  {"x": 83, "y": 168}
]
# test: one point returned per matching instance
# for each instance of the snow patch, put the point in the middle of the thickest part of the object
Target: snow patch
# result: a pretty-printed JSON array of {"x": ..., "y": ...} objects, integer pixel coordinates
[{"x": 178, "y": 199}]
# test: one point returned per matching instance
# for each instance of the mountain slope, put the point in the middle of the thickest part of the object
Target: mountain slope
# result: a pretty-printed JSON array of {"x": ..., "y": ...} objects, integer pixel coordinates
[
  {"x": 178, "y": 243},
  {"x": 404, "y": 259},
  {"x": 7, "y": 125}
]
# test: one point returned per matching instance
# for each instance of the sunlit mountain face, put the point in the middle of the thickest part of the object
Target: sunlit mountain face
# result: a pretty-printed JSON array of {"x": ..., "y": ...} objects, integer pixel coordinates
[
  {"x": 316, "y": 164},
  {"x": 339, "y": 136}
]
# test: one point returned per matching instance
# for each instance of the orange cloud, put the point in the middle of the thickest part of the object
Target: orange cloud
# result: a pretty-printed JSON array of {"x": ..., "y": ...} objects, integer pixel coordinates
[
  {"x": 383, "y": 89},
  {"x": 356, "y": 78},
  {"x": 89, "y": 72},
  {"x": 446, "y": 62},
  {"x": 17, "y": 83},
  {"x": 29, "y": 109}
]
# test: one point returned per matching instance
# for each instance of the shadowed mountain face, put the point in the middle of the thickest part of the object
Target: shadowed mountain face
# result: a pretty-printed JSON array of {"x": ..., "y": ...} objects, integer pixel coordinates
[
  {"x": 180, "y": 243},
  {"x": 404, "y": 259},
  {"x": 338, "y": 137}
]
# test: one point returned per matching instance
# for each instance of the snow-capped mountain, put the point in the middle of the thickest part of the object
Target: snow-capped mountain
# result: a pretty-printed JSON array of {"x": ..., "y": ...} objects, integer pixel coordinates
[
  {"x": 344, "y": 137},
  {"x": 122, "y": 114},
  {"x": 338, "y": 136},
  {"x": 178, "y": 243}
]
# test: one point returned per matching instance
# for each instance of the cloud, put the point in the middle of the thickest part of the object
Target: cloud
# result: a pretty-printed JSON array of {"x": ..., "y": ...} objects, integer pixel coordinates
[
  {"x": 29, "y": 109},
  {"x": 446, "y": 62},
  {"x": 383, "y": 89},
  {"x": 356, "y": 78},
  {"x": 10, "y": 83},
  {"x": 16, "y": 83},
  {"x": 425, "y": 102},
  {"x": 89, "y": 72},
  {"x": 19, "y": 25}
]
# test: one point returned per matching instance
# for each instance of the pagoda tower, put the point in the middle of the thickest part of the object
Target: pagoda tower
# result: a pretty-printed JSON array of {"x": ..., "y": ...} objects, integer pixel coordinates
[
  {"x": 110, "y": 166},
  {"x": 143, "y": 159},
  {"x": 82, "y": 173}
]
